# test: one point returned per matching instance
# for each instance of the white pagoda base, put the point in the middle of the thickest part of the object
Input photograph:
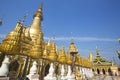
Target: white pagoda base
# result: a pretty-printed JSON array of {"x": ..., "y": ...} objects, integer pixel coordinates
[
  {"x": 4, "y": 67},
  {"x": 51, "y": 75},
  {"x": 70, "y": 75},
  {"x": 62, "y": 75},
  {"x": 33, "y": 71}
]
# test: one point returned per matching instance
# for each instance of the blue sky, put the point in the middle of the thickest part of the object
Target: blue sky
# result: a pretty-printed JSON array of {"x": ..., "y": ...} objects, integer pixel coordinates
[{"x": 89, "y": 23}]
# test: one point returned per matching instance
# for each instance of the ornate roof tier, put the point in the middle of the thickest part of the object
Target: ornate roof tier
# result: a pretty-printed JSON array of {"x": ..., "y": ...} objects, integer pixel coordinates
[
  {"x": 53, "y": 55},
  {"x": 98, "y": 61},
  {"x": 11, "y": 44},
  {"x": 62, "y": 56}
]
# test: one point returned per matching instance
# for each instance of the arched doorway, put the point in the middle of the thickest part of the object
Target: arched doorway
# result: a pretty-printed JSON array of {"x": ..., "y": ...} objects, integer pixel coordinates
[
  {"x": 98, "y": 71},
  {"x": 47, "y": 69},
  {"x": 103, "y": 70},
  {"x": 13, "y": 68},
  {"x": 109, "y": 72},
  {"x": 93, "y": 70}
]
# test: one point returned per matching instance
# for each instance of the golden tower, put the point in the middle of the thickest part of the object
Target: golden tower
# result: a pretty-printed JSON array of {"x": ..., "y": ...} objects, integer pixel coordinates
[
  {"x": 62, "y": 56},
  {"x": 35, "y": 28},
  {"x": 53, "y": 54},
  {"x": 90, "y": 57}
]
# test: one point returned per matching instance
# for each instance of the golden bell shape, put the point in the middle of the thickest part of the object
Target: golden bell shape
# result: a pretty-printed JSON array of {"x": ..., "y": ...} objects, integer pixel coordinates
[
  {"x": 62, "y": 57},
  {"x": 45, "y": 53},
  {"x": 36, "y": 51},
  {"x": 26, "y": 42},
  {"x": 53, "y": 55},
  {"x": 11, "y": 44}
]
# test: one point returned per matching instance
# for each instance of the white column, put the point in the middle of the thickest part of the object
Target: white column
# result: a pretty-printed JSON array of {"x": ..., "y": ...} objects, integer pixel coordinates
[
  {"x": 70, "y": 75},
  {"x": 51, "y": 75},
  {"x": 33, "y": 70},
  {"x": 62, "y": 73},
  {"x": 4, "y": 67}
]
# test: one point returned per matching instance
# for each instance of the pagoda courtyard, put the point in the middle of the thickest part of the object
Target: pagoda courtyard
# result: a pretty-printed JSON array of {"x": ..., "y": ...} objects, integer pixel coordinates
[{"x": 24, "y": 55}]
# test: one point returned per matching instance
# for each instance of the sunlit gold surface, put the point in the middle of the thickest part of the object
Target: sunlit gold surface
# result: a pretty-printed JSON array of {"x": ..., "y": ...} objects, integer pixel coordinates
[
  {"x": 35, "y": 28},
  {"x": 36, "y": 51},
  {"x": 72, "y": 48},
  {"x": 45, "y": 53},
  {"x": 11, "y": 44},
  {"x": 62, "y": 56},
  {"x": 90, "y": 57},
  {"x": 27, "y": 42},
  {"x": 53, "y": 55}
]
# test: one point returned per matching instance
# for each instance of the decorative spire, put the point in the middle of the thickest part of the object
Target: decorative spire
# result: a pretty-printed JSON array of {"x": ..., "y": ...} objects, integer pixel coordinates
[
  {"x": 62, "y": 56},
  {"x": 45, "y": 53},
  {"x": 53, "y": 54},
  {"x": 36, "y": 51},
  {"x": 97, "y": 52},
  {"x": 48, "y": 43},
  {"x": 57, "y": 49},
  {"x": 11, "y": 44},
  {"x": 35, "y": 28},
  {"x": 39, "y": 12},
  {"x": 72, "y": 47},
  {"x": 90, "y": 57}
]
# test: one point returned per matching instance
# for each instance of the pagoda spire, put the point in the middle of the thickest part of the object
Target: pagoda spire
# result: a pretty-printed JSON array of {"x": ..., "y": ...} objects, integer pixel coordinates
[
  {"x": 35, "y": 28},
  {"x": 39, "y": 12},
  {"x": 97, "y": 52},
  {"x": 62, "y": 56},
  {"x": 90, "y": 56},
  {"x": 53, "y": 55}
]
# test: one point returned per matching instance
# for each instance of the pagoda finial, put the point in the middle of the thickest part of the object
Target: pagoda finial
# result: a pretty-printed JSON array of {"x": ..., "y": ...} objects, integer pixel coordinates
[
  {"x": 39, "y": 12},
  {"x": 48, "y": 43},
  {"x": 72, "y": 47},
  {"x": 97, "y": 52},
  {"x": 53, "y": 55},
  {"x": 90, "y": 56},
  {"x": 41, "y": 5},
  {"x": 62, "y": 56},
  {"x": 35, "y": 28}
]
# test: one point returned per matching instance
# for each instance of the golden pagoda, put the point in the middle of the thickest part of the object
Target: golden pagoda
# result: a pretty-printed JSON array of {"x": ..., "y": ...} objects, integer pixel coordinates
[
  {"x": 11, "y": 44},
  {"x": 102, "y": 66},
  {"x": 53, "y": 54},
  {"x": 90, "y": 57},
  {"x": 35, "y": 28},
  {"x": 72, "y": 48},
  {"x": 62, "y": 56},
  {"x": 26, "y": 45}
]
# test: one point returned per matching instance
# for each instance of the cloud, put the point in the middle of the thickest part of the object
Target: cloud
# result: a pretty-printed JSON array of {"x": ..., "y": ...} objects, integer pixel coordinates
[{"x": 83, "y": 39}]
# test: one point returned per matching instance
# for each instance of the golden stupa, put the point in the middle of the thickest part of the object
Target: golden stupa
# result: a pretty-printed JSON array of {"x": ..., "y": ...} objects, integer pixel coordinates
[
  {"x": 62, "y": 56},
  {"x": 26, "y": 45}
]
